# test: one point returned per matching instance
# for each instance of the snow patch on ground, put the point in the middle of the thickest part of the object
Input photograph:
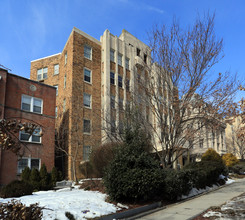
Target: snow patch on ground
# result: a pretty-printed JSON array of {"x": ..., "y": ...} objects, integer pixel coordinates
[
  {"x": 195, "y": 191},
  {"x": 212, "y": 213},
  {"x": 82, "y": 204}
]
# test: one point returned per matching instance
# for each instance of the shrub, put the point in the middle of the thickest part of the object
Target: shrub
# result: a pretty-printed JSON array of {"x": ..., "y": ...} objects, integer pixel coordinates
[
  {"x": 177, "y": 183},
  {"x": 16, "y": 188},
  {"x": 211, "y": 155},
  {"x": 99, "y": 162},
  {"x": 230, "y": 160},
  {"x": 206, "y": 173},
  {"x": 16, "y": 210},
  {"x": 25, "y": 175},
  {"x": 133, "y": 175},
  {"x": 45, "y": 182},
  {"x": 35, "y": 179}
]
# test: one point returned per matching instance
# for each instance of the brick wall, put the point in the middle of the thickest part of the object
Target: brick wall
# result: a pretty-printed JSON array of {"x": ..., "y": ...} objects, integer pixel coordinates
[{"x": 15, "y": 87}]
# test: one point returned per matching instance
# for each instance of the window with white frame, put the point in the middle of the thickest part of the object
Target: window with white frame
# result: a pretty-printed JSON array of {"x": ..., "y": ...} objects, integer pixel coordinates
[
  {"x": 87, "y": 100},
  {"x": 112, "y": 78},
  {"x": 56, "y": 69},
  {"x": 127, "y": 63},
  {"x": 31, "y": 104},
  {"x": 86, "y": 152},
  {"x": 87, "y": 75},
  {"x": 120, "y": 59},
  {"x": 88, "y": 52},
  {"x": 35, "y": 137},
  {"x": 86, "y": 126},
  {"x": 32, "y": 163},
  {"x": 112, "y": 55},
  {"x": 56, "y": 86},
  {"x": 119, "y": 81},
  {"x": 65, "y": 58},
  {"x": 42, "y": 73}
]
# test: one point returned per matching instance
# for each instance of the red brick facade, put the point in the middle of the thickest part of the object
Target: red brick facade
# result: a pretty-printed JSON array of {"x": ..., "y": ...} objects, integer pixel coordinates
[{"x": 12, "y": 89}]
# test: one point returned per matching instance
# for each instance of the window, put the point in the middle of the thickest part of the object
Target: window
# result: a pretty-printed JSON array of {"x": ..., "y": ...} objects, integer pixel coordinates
[
  {"x": 112, "y": 78},
  {"x": 120, "y": 104},
  {"x": 64, "y": 105},
  {"x": 42, "y": 73},
  {"x": 113, "y": 125},
  {"x": 120, "y": 59},
  {"x": 112, "y": 56},
  {"x": 145, "y": 58},
  {"x": 87, "y": 100},
  {"x": 65, "y": 58},
  {"x": 127, "y": 84},
  {"x": 88, "y": 52},
  {"x": 28, "y": 162},
  {"x": 87, "y": 75},
  {"x": 35, "y": 137},
  {"x": 119, "y": 81},
  {"x": 201, "y": 143},
  {"x": 31, "y": 104},
  {"x": 56, "y": 69},
  {"x": 112, "y": 101},
  {"x": 86, "y": 152},
  {"x": 86, "y": 126},
  {"x": 138, "y": 52},
  {"x": 65, "y": 81},
  {"x": 56, "y": 112},
  {"x": 56, "y": 86},
  {"x": 127, "y": 63}
]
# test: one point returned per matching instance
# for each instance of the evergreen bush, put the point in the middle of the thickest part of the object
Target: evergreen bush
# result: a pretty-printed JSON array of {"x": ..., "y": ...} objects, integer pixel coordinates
[
  {"x": 25, "y": 175},
  {"x": 35, "y": 179},
  {"x": 211, "y": 155},
  {"x": 177, "y": 183},
  {"x": 45, "y": 180},
  {"x": 230, "y": 160},
  {"x": 16, "y": 188},
  {"x": 133, "y": 175}
]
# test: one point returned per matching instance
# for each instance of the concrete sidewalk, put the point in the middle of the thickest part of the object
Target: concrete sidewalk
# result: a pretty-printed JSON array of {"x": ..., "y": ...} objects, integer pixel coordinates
[{"x": 193, "y": 207}]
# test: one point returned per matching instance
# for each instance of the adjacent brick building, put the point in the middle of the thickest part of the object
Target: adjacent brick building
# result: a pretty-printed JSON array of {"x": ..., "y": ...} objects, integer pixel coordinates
[{"x": 32, "y": 101}]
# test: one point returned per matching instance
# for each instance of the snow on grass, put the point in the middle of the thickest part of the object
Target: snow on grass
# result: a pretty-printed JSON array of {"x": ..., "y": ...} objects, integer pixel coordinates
[
  {"x": 195, "y": 191},
  {"x": 82, "y": 204}
]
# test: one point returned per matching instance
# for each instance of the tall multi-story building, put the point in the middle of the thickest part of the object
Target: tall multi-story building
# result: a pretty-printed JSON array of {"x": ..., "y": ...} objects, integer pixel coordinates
[
  {"x": 28, "y": 101},
  {"x": 93, "y": 80}
]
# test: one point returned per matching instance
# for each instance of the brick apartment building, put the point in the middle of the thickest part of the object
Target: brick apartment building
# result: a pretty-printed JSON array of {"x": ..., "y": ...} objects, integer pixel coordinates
[
  {"x": 27, "y": 100},
  {"x": 94, "y": 80}
]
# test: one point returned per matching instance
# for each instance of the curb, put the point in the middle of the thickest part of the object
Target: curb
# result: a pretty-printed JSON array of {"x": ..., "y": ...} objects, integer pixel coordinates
[{"x": 144, "y": 210}]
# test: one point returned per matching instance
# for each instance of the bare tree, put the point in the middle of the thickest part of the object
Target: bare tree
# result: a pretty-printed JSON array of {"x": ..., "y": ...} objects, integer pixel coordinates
[
  {"x": 9, "y": 134},
  {"x": 178, "y": 93}
]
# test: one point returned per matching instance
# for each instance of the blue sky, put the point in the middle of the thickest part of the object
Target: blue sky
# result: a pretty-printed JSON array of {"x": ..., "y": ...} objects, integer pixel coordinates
[{"x": 31, "y": 29}]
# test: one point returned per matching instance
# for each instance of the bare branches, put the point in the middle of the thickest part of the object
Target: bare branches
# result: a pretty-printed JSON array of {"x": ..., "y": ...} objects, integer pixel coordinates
[{"x": 9, "y": 134}]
